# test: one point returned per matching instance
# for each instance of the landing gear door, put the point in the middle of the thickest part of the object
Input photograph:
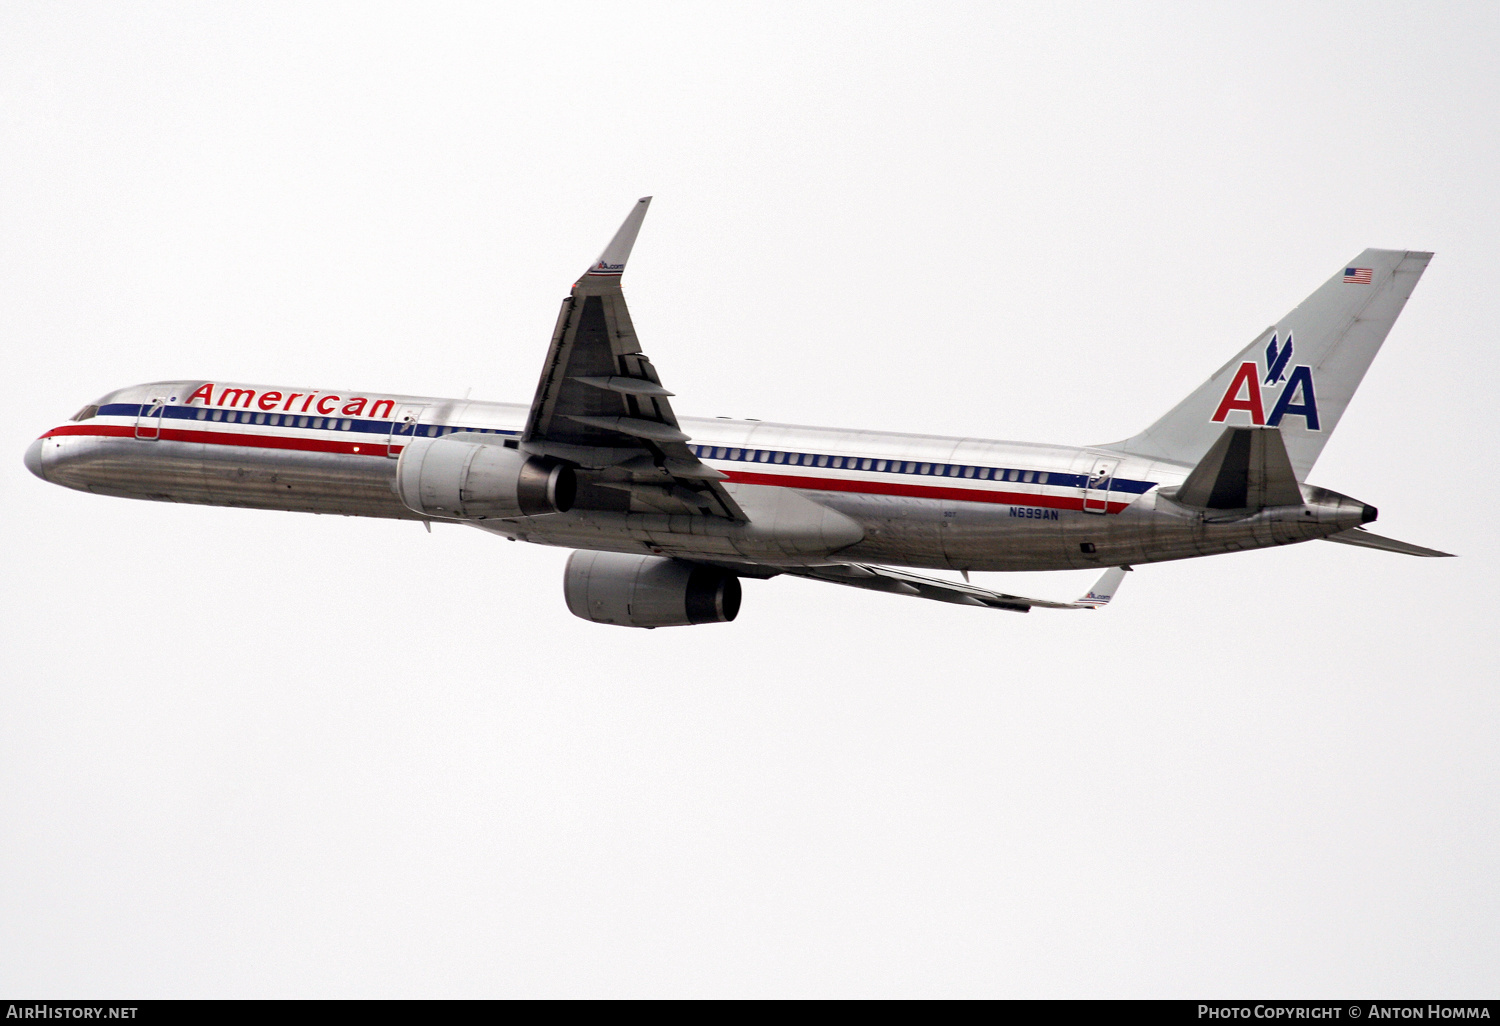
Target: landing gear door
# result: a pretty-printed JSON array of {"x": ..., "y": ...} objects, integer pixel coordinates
[
  {"x": 148, "y": 421},
  {"x": 1096, "y": 491},
  {"x": 404, "y": 424}
]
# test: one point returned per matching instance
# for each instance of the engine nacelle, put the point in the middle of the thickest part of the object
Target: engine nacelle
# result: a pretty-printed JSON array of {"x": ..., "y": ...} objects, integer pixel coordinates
[
  {"x": 444, "y": 477},
  {"x": 648, "y": 591}
]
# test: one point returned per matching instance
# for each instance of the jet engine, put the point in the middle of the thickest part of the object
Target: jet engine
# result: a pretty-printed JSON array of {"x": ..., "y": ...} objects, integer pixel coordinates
[
  {"x": 648, "y": 591},
  {"x": 446, "y": 477}
]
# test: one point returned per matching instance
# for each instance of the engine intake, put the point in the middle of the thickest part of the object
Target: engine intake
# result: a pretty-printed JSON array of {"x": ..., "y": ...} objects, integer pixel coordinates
[
  {"x": 442, "y": 477},
  {"x": 648, "y": 591}
]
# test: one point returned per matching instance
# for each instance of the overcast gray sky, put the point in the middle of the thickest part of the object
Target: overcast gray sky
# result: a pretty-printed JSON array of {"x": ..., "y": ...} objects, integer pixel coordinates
[{"x": 270, "y": 754}]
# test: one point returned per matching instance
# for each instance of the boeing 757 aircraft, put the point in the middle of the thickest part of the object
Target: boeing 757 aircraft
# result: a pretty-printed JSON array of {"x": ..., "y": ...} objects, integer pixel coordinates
[{"x": 667, "y": 514}]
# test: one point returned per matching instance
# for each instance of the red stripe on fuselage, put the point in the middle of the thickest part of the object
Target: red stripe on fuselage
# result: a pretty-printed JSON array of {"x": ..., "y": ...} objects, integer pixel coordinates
[
  {"x": 233, "y": 438},
  {"x": 915, "y": 491},
  {"x": 823, "y": 484}
]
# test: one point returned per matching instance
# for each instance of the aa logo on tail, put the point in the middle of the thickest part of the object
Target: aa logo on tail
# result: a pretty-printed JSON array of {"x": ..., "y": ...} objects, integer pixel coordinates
[{"x": 1296, "y": 398}]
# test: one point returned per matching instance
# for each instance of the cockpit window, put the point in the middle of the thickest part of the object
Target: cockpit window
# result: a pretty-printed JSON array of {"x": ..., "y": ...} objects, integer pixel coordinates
[{"x": 87, "y": 413}]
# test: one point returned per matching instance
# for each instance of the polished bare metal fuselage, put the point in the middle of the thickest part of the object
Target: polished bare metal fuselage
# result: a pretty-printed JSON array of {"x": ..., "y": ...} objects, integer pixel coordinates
[{"x": 1018, "y": 524}]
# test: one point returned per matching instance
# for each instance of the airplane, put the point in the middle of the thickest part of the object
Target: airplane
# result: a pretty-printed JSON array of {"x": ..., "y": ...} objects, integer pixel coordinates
[{"x": 668, "y": 514}]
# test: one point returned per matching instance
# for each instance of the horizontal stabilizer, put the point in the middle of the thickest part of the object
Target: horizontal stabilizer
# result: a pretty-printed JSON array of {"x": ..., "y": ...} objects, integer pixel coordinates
[
  {"x": 1247, "y": 468},
  {"x": 1359, "y": 536}
]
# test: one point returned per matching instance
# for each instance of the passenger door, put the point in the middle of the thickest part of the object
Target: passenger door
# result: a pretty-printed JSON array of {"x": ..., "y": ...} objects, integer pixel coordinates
[
  {"x": 403, "y": 428},
  {"x": 1096, "y": 492},
  {"x": 148, "y": 421}
]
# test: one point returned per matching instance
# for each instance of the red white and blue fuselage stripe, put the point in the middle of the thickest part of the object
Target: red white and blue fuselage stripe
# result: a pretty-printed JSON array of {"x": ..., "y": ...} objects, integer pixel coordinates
[{"x": 747, "y": 464}]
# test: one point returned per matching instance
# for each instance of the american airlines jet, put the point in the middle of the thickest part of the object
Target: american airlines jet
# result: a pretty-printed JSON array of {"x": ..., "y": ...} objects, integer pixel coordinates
[{"x": 667, "y": 514}]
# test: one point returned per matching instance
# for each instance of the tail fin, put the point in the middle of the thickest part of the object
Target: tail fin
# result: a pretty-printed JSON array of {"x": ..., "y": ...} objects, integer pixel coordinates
[{"x": 1300, "y": 374}]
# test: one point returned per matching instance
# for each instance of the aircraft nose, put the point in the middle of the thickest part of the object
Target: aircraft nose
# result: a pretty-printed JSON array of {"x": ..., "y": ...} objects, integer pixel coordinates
[{"x": 34, "y": 459}]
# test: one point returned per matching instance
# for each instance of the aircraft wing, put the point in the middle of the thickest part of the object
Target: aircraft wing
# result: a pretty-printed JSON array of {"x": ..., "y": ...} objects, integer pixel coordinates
[
  {"x": 903, "y": 582},
  {"x": 601, "y": 406}
]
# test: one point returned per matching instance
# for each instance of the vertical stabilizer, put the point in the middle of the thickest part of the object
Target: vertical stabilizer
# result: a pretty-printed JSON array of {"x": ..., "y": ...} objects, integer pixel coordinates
[{"x": 1300, "y": 374}]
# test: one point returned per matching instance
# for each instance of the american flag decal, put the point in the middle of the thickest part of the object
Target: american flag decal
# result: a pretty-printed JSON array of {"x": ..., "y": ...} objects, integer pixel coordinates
[{"x": 1358, "y": 275}]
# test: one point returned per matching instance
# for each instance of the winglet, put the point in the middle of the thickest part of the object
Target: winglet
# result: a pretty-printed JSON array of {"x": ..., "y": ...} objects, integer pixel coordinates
[
  {"x": 611, "y": 263},
  {"x": 1104, "y": 589}
]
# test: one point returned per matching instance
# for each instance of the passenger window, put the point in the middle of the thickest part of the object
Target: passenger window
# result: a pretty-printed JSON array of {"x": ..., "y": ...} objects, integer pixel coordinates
[
  {"x": 778, "y": 457},
  {"x": 1041, "y": 478},
  {"x": 1028, "y": 476},
  {"x": 1011, "y": 475},
  {"x": 302, "y": 422},
  {"x": 720, "y": 453},
  {"x": 880, "y": 465},
  {"x": 968, "y": 472},
  {"x": 260, "y": 418},
  {"x": 345, "y": 425},
  {"x": 838, "y": 461},
  {"x": 925, "y": 468},
  {"x": 822, "y": 461},
  {"x": 202, "y": 414},
  {"x": 864, "y": 464}
]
